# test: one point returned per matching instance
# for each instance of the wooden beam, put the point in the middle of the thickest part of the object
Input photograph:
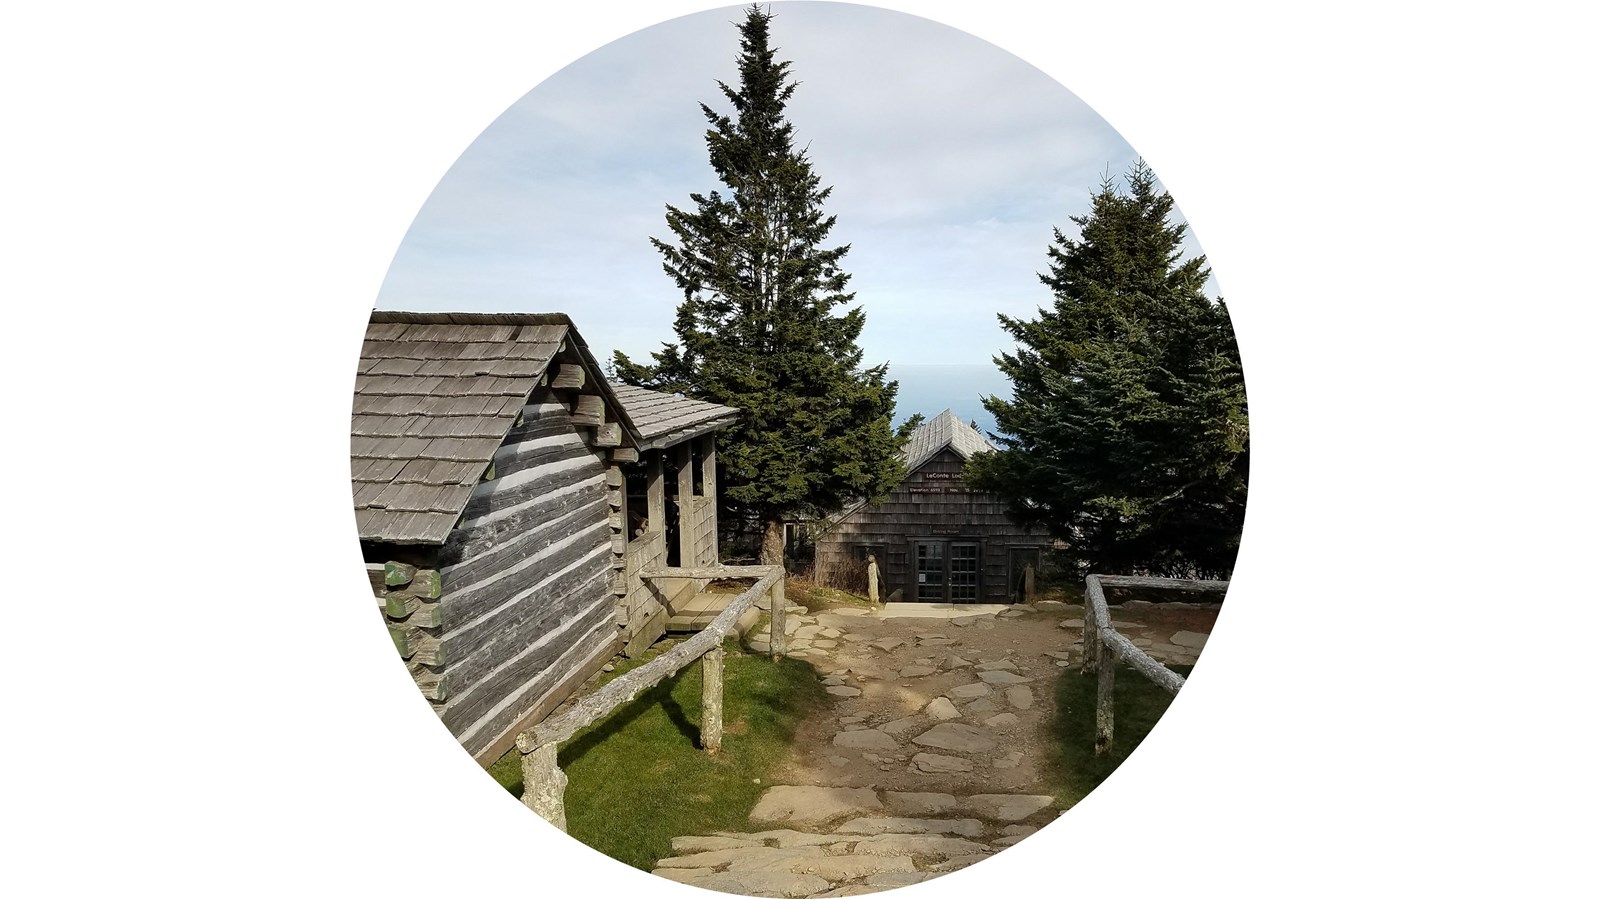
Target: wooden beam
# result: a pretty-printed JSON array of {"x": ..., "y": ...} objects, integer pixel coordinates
[
  {"x": 589, "y": 411},
  {"x": 432, "y": 686},
  {"x": 624, "y": 454},
  {"x": 711, "y": 700},
  {"x": 567, "y": 377},
  {"x": 656, "y": 494},
  {"x": 608, "y": 434},
  {"x": 708, "y": 474},
  {"x": 398, "y": 574},
  {"x": 1103, "y": 717},
  {"x": 686, "y": 505}
]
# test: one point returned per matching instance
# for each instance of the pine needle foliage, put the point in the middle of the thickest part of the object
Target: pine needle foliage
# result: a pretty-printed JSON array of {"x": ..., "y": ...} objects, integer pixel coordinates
[
  {"x": 765, "y": 323},
  {"x": 1127, "y": 432}
]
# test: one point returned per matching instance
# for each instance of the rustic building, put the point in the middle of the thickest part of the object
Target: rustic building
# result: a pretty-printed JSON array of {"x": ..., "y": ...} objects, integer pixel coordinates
[
  {"x": 489, "y": 467},
  {"x": 935, "y": 539}
]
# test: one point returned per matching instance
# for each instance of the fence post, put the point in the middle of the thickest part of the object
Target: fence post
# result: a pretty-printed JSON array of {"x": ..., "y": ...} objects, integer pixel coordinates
[
  {"x": 1103, "y": 717},
  {"x": 544, "y": 784},
  {"x": 711, "y": 700},
  {"x": 779, "y": 642}
]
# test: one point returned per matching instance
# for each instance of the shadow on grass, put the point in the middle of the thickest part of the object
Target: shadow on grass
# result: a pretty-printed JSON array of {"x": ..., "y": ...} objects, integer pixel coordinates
[
  {"x": 638, "y": 778},
  {"x": 1137, "y": 705}
]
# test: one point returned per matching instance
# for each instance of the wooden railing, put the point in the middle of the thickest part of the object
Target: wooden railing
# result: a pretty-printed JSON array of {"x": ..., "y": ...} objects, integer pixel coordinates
[
  {"x": 1103, "y": 646},
  {"x": 543, "y": 782}
]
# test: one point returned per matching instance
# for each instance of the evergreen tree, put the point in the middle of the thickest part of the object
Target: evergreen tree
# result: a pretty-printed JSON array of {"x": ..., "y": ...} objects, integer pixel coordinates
[
  {"x": 760, "y": 326},
  {"x": 1127, "y": 432}
]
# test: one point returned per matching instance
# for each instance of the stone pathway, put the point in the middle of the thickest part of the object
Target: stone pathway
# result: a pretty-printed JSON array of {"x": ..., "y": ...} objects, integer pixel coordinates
[{"x": 931, "y": 757}]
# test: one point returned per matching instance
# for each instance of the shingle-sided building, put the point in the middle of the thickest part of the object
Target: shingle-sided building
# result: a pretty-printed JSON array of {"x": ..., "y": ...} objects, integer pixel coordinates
[
  {"x": 935, "y": 539},
  {"x": 488, "y": 461}
]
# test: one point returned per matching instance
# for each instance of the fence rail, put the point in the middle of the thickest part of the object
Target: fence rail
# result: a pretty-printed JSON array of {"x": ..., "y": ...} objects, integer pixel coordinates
[
  {"x": 543, "y": 782},
  {"x": 1103, "y": 646}
]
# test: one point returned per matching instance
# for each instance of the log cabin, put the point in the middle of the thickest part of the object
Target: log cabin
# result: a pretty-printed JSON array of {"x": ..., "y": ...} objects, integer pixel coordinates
[
  {"x": 490, "y": 464},
  {"x": 934, "y": 538}
]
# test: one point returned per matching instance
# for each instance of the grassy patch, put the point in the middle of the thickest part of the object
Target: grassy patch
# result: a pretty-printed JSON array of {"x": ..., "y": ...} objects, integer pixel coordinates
[
  {"x": 638, "y": 778},
  {"x": 815, "y": 597},
  {"x": 1138, "y": 704}
]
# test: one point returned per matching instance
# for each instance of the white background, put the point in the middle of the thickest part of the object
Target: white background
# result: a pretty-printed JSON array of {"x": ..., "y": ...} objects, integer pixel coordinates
[{"x": 198, "y": 205}]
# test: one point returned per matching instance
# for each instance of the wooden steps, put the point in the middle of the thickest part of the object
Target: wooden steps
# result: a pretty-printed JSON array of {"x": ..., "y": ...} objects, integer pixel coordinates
[{"x": 689, "y": 611}]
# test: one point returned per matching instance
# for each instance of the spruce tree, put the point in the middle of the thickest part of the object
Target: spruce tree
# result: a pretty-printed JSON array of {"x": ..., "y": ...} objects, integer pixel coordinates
[
  {"x": 761, "y": 326},
  {"x": 1127, "y": 431}
]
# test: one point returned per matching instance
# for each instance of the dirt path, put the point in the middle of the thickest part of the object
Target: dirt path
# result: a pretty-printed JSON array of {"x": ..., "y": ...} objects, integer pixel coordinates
[{"x": 932, "y": 757}]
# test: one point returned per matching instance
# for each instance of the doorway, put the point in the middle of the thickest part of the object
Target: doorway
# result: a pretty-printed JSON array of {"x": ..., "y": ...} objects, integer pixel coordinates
[{"x": 946, "y": 570}]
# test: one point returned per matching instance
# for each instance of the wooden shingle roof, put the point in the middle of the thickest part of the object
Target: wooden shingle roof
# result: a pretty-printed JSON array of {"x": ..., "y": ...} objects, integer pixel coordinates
[
  {"x": 665, "y": 419},
  {"x": 939, "y": 432},
  {"x": 435, "y": 395}
]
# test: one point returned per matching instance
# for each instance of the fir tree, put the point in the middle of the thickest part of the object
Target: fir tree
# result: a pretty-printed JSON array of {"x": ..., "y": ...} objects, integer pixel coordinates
[
  {"x": 1127, "y": 431},
  {"x": 761, "y": 326}
]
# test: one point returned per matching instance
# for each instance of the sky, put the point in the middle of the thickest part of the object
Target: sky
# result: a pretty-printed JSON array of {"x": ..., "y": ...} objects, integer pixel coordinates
[{"x": 950, "y": 160}]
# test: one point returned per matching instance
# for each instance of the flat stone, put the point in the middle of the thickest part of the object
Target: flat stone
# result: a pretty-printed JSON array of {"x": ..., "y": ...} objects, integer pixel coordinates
[
  {"x": 856, "y": 638},
  {"x": 920, "y": 804},
  {"x": 891, "y": 879},
  {"x": 930, "y": 846},
  {"x": 1020, "y": 697},
  {"x": 851, "y": 719},
  {"x": 1012, "y": 613},
  {"x": 888, "y": 644},
  {"x": 956, "y": 863},
  {"x": 1006, "y": 806},
  {"x": 901, "y": 725},
  {"x": 1071, "y": 622},
  {"x": 838, "y": 761},
  {"x": 966, "y": 827},
  {"x": 1003, "y": 677},
  {"x": 791, "y": 626},
  {"x": 956, "y": 738},
  {"x": 916, "y": 671},
  {"x": 963, "y": 622},
  {"x": 804, "y": 805},
  {"x": 1008, "y": 841},
  {"x": 1000, "y": 665},
  {"x": 982, "y": 707},
  {"x": 1064, "y": 656},
  {"x": 834, "y": 680},
  {"x": 933, "y": 763},
  {"x": 1049, "y": 604},
  {"x": 955, "y": 662},
  {"x": 755, "y": 855},
  {"x": 844, "y": 691},
  {"x": 790, "y": 886},
  {"x": 941, "y": 709},
  {"x": 806, "y": 632},
  {"x": 852, "y": 867},
  {"x": 688, "y": 845},
  {"x": 831, "y": 633},
  {"x": 935, "y": 641},
  {"x": 825, "y": 644},
  {"x": 783, "y": 839},
  {"x": 1010, "y": 760},
  {"x": 969, "y": 691},
  {"x": 1190, "y": 639},
  {"x": 1063, "y": 663},
  {"x": 1012, "y": 830},
  {"x": 849, "y": 889},
  {"x": 875, "y": 740},
  {"x": 1004, "y": 719}
]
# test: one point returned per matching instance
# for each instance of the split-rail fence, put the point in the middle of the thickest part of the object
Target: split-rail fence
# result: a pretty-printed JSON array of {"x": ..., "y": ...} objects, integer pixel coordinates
[
  {"x": 543, "y": 782},
  {"x": 1103, "y": 646}
]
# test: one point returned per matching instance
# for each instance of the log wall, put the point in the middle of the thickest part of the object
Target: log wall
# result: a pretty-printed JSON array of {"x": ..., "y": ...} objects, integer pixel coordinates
[
  {"x": 932, "y": 503},
  {"x": 527, "y": 604}
]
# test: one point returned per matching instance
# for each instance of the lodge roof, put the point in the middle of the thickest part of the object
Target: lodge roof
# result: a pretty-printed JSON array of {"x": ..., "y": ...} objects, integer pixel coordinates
[
  {"x": 436, "y": 394},
  {"x": 943, "y": 430},
  {"x": 665, "y": 419}
]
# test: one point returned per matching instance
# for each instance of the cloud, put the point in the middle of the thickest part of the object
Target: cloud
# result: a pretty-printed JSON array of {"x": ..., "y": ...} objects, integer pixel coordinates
[{"x": 950, "y": 159}]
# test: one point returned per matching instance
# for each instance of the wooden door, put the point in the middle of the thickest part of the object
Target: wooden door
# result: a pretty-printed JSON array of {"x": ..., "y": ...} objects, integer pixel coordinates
[{"x": 928, "y": 571}]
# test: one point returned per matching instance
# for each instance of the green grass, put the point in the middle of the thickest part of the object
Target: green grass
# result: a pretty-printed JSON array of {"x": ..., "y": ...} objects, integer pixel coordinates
[
  {"x": 638, "y": 778},
  {"x": 1137, "y": 705}
]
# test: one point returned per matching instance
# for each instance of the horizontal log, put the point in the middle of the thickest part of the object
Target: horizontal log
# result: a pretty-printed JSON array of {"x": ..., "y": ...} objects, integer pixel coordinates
[
  {"x": 413, "y": 611},
  {"x": 624, "y": 454},
  {"x": 608, "y": 434},
  {"x": 619, "y": 544},
  {"x": 1161, "y": 675},
  {"x": 614, "y": 477},
  {"x": 589, "y": 411},
  {"x": 567, "y": 377},
  {"x": 426, "y": 648},
  {"x": 375, "y": 575},
  {"x": 625, "y": 688},
  {"x": 432, "y": 686},
  {"x": 1185, "y": 585},
  {"x": 397, "y": 574},
  {"x": 402, "y": 644},
  {"x": 426, "y": 584}
]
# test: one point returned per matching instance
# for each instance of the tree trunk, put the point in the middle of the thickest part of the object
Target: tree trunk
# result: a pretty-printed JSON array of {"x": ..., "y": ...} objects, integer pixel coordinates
[{"x": 772, "y": 542}]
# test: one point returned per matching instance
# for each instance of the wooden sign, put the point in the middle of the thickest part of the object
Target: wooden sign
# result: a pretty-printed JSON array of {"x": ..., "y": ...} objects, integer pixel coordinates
[{"x": 941, "y": 476}]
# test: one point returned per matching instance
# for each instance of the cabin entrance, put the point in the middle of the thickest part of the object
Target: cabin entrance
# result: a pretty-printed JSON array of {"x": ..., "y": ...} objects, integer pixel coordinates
[{"x": 945, "y": 571}]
